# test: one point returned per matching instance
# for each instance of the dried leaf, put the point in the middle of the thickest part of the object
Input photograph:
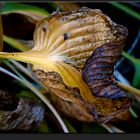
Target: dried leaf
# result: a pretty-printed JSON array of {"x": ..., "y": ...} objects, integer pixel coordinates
[
  {"x": 26, "y": 116},
  {"x": 66, "y": 6},
  {"x": 63, "y": 43},
  {"x": 70, "y": 109},
  {"x": 123, "y": 116},
  {"x": 98, "y": 71}
]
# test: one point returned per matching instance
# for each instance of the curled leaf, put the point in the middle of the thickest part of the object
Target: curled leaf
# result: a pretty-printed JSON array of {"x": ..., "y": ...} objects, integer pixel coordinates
[
  {"x": 98, "y": 71},
  {"x": 66, "y": 6},
  {"x": 63, "y": 43},
  {"x": 26, "y": 116}
]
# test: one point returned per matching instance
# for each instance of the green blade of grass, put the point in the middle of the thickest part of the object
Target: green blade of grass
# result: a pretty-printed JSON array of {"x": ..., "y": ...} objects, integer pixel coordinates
[
  {"x": 112, "y": 129},
  {"x": 136, "y": 78},
  {"x": 132, "y": 59},
  {"x": 15, "y": 43},
  {"x": 16, "y": 7},
  {"x": 43, "y": 128},
  {"x": 136, "y": 64},
  {"x": 133, "y": 113},
  {"x": 69, "y": 126},
  {"x": 93, "y": 128},
  {"x": 126, "y": 9},
  {"x": 26, "y": 93},
  {"x": 6, "y": 62}
]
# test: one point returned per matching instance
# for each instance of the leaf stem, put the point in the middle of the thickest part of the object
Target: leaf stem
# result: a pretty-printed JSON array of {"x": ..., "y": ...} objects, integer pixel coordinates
[
  {"x": 129, "y": 88},
  {"x": 112, "y": 129}
]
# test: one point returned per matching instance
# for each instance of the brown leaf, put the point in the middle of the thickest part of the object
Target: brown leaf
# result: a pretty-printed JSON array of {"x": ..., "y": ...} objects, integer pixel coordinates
[
  {"x": 103, "y": 109},
  {"x": 70, "y": 109},
  {"x": 63, "y": 43},
  {"x": 27, "y": 115},
  {"x": 66, "y": 6},
  {"x": 98, "y": 73},
  {"x": 124, "y": 116}
]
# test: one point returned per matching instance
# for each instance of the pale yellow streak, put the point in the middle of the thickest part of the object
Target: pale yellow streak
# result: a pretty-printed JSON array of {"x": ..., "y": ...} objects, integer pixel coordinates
[
  {"x": 129, "y": 88},
  {"x": 71, "y": 76}
]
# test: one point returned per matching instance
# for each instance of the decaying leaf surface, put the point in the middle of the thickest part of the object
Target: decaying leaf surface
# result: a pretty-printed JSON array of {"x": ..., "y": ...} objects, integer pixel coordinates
[
  {"x": 70, "y": 109},
  {"x": 66, "y": 6},
  {"x": 98, "y": 71},
  {"x": 63, "y": 42},
  {"x": 26, "y": 116}
]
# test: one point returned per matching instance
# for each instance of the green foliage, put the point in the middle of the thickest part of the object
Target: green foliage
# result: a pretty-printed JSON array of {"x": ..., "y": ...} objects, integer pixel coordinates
[
  {"x": 26, "y": 93},
  {"x": 15, "y": 43},
  {"x": 126, "y": 9},
  {"x": 14, "y": 7},
  {"x": 43, "y": 128},
  {"x": 69, "y": 126},
  {"x": 93, "y": 128},
  {"x": 136, "y": 64}
]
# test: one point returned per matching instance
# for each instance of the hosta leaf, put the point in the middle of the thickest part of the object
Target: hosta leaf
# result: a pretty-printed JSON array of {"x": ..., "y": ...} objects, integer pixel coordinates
[
  {"x": 98, "y": 71},
  {"x": 70, "y": 109},
  {"x": 62, "y": 44}
]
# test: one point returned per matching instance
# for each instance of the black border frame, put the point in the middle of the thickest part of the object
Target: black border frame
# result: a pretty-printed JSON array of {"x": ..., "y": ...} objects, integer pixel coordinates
[{"x": 60, "y": 136}]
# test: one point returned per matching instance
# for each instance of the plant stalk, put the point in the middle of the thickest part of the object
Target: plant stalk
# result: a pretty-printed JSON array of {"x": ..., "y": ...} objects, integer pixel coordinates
[{"x": 129, "y": 88}]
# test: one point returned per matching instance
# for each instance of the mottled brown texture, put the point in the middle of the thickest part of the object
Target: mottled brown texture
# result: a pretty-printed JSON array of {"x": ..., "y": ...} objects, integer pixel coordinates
[
  {"x": 86, "y": 30},
  {"x": 70, "y": 109},
  {"x": 68, "y": 94},
  {"x": 67, "y": 6},
  {"x": 27, "y": 115},
  {"x": 123, "y": 116},
  {"x": 70, "y": 99},
  {"x": 68, "y": 39},
  {"x": 98, "y": 71}
]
